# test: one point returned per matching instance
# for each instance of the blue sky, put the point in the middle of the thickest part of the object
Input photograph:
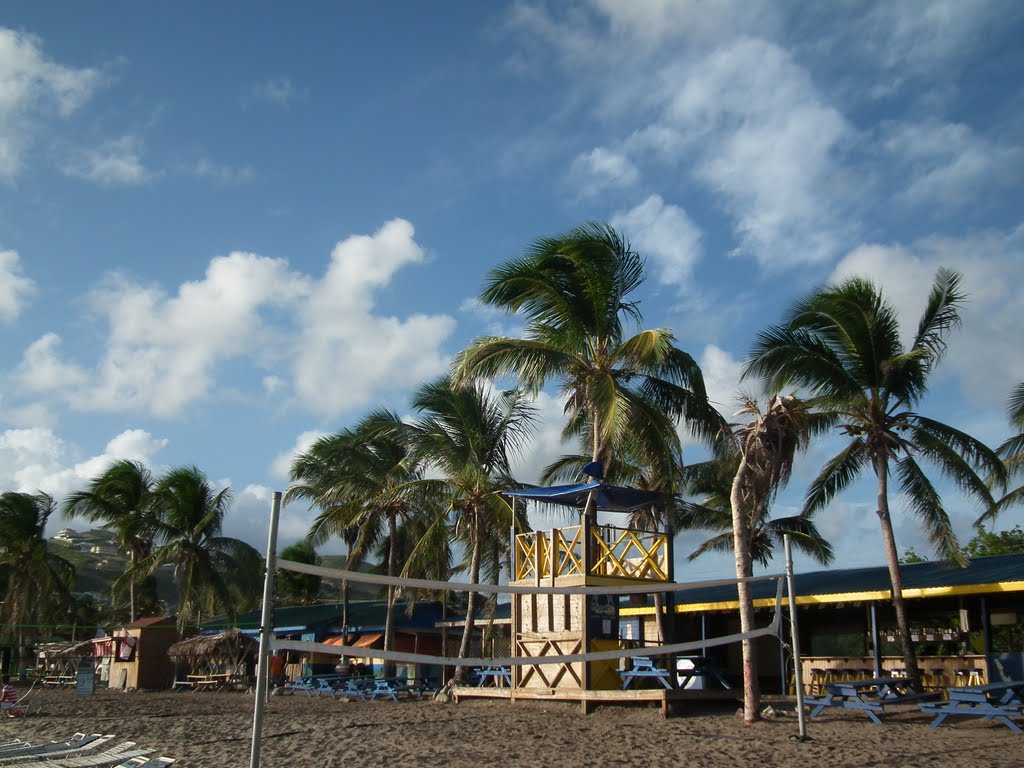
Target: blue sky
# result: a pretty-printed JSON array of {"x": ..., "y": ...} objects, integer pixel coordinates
[{"x": 226, "y": 230}]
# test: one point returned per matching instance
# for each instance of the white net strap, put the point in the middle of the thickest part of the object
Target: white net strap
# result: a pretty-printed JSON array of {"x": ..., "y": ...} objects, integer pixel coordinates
[
  {"x": 771, "y": 629},
  {"x": 644, "y": 587}
]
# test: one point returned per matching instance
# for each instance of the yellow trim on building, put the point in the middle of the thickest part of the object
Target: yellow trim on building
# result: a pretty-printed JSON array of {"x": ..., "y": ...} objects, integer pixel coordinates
[{"x": 843, "y": 597}]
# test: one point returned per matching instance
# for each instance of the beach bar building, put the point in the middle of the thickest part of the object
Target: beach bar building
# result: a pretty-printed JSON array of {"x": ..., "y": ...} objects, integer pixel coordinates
[
  {"x": 137, "y": 654},
  {"x": 967, "y": 624}
]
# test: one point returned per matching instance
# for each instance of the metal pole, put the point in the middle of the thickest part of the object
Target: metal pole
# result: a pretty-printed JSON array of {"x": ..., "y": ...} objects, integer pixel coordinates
[
  {"x": 798, "y": 673},
  {"x": 265, "y": 630},
  {"x": 876, "y": 645}
]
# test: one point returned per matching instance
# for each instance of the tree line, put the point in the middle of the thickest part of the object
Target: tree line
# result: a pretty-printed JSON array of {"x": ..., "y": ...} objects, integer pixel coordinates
[{"x": 422, "y": 496}]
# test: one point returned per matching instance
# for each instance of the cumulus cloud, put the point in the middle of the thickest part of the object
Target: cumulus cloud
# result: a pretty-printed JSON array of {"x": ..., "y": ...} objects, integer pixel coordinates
[
  {"x": 665, "y": 234},
  {"x": 984, "y": 352},
  {"x": 115, "y": 163},
  {"x": 348, "y": 355},
  {"x": 601, "y": 168},
  {"x": 15, "y": 287},
  {"x": 32, "y": 88},
  {"x": 164, "y": 352},
  {"x": 281, "y": 467},
  {"x": 36, "y": 459},
  {"x": 205, "y": 168}
]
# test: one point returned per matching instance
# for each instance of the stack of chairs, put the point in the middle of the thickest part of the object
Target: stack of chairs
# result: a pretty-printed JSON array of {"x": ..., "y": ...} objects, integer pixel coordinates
[{"x": 79, "y": 751}]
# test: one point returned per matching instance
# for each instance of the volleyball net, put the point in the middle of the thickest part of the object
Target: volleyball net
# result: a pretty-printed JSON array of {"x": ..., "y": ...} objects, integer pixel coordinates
[{"x": 772, "y": 629}]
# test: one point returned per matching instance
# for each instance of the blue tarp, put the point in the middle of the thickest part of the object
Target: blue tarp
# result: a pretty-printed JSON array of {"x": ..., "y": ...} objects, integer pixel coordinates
[{"x": 610, "y": 498}]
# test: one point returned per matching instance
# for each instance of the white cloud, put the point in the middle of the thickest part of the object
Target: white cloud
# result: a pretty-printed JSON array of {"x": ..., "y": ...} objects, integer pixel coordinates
[
  {"x": 985, "y": 351},
  {"x": 278, "y": 91},
  {"x": 31, "y": 86},
  {"x": 347, "y": 355},
  {"x": 768, "y": 144},
  {"x": 665, "y": 234},
  {"x": 281, "y": 467},
  {"x": 36, "y": 459},
  {"x": 205, "y": 168},
  {"x": 114, "y": 163},
  {"x": 721, "y": 378},
  {"x": 601, "y": 168},
  {"x": 163, "y": 352},
  {"x": 15, "y": 287},
  {"x": 949, "y": 164}
]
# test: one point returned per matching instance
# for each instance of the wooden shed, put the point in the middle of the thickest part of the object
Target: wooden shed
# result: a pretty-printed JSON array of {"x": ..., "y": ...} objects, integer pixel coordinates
[{"x": 139, "y": 654}]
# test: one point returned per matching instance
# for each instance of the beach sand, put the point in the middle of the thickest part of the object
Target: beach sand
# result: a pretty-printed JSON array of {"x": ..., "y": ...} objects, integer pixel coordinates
[{"x": 214, "y": 729}]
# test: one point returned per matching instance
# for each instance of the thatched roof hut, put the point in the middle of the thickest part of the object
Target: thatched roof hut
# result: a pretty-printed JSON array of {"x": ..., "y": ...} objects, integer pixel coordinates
[
  {"x": 229, "y": 648},
  {"x": 71, "y": 650}
]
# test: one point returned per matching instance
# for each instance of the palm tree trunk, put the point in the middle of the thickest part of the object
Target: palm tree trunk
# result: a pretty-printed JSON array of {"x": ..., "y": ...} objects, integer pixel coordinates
[
  {"x": 895, "y": 576},
  {"x": 474, "y": 578},
  {"x": 744, "y": 569},
  {"x": 389, "y": 629}
]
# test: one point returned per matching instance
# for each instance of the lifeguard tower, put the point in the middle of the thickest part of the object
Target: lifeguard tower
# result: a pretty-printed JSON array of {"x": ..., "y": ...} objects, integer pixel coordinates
[{"x": 590, "y": 555}]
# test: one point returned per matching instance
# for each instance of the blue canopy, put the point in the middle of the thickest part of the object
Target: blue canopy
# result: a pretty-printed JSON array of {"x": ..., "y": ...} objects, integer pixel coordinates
[{"x": 610, "y": 498}]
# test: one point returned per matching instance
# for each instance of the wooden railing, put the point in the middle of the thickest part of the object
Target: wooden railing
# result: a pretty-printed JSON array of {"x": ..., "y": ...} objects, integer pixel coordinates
[{"x": 613, "y": 552}]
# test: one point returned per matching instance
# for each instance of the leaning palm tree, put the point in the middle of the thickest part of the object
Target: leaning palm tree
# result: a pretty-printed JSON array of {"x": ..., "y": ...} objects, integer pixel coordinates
[
  {"x": 119, "y": 498},
  {"x": 1012, "y": 453},
  {"x": 208, "y": 566},
  {"x": 842, "y": 344},
  {"x": 360, "y": 479},
  {"x": 469, "y": 439},
  {"x": 37, "y": 581},
  {"x": 574, "y": 292}
]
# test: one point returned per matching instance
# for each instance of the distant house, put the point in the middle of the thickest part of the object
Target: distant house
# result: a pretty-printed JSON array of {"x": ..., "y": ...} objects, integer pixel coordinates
[{"x": 68, "y": 536}]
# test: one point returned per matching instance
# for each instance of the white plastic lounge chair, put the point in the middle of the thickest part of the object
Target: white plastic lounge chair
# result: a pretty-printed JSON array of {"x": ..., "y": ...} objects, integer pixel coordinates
[
  {"x": 147, "y": 762},
  {"x": 77, "y": 744},
  {"x": 117, "y": 754}
]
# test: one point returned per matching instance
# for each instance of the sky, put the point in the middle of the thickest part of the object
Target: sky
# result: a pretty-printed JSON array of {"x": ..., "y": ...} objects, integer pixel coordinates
[{"x": 229, "y": 229}]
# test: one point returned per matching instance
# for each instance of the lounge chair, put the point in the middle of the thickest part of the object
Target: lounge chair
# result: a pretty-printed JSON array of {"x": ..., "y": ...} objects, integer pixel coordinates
[
  {"x": 146, "y": 762},
  {"x": 114, "y": 756},
  {"x": 77, "y": 744}
]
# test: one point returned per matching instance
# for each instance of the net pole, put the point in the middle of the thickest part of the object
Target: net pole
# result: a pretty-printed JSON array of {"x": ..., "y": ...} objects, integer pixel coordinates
[
  {"x": 798, "y": 673},
  {"x": 262, "y": 676}
]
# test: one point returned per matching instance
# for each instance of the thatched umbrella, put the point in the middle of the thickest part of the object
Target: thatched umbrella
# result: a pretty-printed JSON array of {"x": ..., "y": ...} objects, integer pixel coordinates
[{"x": 228, "y": 648}]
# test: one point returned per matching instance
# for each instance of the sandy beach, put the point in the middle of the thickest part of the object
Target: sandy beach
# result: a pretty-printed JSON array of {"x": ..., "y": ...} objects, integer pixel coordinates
[{"x": 213, "y": 729}]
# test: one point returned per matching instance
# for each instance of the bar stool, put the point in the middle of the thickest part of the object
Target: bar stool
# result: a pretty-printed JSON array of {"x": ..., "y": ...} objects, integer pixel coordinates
[
  {"x": 936, "y": 680},
  {"x": 967, "y": 677},
  {"x": 816, "y": 683}
]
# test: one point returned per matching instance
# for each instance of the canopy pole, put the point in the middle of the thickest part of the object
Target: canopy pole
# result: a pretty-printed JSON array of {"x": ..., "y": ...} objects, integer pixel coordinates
[
  {"x": 798, "y": 672},
  {"x": 262, "y": 676}
]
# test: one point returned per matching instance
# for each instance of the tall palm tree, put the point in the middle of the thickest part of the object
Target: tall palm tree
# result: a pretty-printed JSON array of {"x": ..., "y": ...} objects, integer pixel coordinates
[
  {"x": 573, "y": 291},
  {"x": 842, "y": 344},
  {"x": 360, "y": 480},
  {"x": 1012, "y": 453},
  {"x": 469, "y": 437},
  {"x": 119, "y": 498},
  {"x": 208, "y": 567},
  {"x": 37, "y": 581},
  {"x": 299, "y": 588}
]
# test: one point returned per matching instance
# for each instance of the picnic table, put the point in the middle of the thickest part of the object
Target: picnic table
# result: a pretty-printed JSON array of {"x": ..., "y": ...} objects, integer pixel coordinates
[
  {"x": 995, "y": 701},
  {"x": 869, "y": 696},
  {"x": 500, "y": 676},
  {"x": 643, "y": 666},
  {"x": 701, "y": 666}
]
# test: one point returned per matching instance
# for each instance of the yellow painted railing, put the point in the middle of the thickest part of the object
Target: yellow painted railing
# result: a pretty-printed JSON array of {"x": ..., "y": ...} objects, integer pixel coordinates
[{"x": 614, "y": 552}]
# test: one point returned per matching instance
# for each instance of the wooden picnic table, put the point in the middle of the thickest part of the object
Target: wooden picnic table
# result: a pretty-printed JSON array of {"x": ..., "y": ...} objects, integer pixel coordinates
[
  {"x": 643, "y": 666},
  {"x": 995, "y": 701},
  {"x": 869, "y": 696}
]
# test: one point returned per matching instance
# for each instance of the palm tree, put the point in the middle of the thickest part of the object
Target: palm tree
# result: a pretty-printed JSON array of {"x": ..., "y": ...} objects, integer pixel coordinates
[
  {"x": 574, "y": 293},
  {"x": 209, "y": 568},
  {"x": 119, "y": 499},
  {"x": 470, "y": 438},
  {"x": 299, "y": 588},
  {"x": 1012, "y": 453},
  {"x": 842, "y": 344},
  {"x": 37, "y": 581},
  {"x": 360, "y": 480}
]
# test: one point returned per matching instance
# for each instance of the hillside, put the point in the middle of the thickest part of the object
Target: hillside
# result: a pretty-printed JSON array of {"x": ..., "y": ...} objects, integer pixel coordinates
[{"x": 98, "y": 564}]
